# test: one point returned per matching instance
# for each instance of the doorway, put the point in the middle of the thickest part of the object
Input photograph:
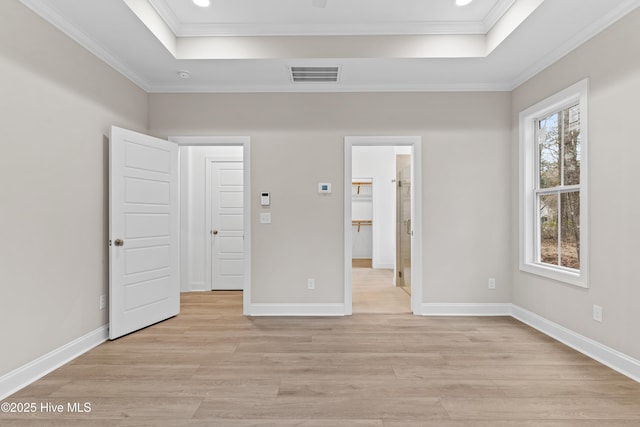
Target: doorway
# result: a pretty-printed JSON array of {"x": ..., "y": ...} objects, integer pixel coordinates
[
  {"x": 215, "y": 214},
  {"x": 392, "y": 168}
]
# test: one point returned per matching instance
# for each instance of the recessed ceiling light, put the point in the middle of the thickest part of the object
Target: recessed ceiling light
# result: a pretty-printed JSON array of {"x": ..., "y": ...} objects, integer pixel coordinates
[
  {"x": 202, "y": 3},
  {"x": 463, "y": 2}
]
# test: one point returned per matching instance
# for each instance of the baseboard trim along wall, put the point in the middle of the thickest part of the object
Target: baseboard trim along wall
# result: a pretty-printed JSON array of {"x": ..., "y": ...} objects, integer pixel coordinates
[
  {"x": 296, "y": 310},
  {"x": 461, "y": 309},
  {"x": 32, "y": 371},
  {"x": 617, "y": 361}
]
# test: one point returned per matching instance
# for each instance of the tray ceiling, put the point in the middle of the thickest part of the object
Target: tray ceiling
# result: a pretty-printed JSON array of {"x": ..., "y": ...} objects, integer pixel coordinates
[{"x": 378, "y": 45}]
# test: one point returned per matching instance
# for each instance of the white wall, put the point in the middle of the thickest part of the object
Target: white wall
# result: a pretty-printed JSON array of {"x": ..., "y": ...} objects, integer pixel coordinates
[
  {"x": 379, "y": 163},
  {"x": 57, "y": 104},
  {"x": 193, "y": 164},
  {"x": 611, "y": 61}
]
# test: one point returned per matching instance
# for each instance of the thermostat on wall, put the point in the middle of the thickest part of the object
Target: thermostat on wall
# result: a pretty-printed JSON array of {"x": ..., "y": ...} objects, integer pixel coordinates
[{"x": 324, "y": 188}]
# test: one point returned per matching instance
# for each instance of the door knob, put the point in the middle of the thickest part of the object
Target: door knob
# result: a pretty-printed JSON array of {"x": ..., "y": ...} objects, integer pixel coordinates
[
  {"x": 214, "y": 232},
  {"x": 119, "y": 242}
]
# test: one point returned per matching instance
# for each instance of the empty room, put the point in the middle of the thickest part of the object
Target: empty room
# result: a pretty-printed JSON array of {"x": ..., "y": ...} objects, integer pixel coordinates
[{"x": 319, "y": 212}]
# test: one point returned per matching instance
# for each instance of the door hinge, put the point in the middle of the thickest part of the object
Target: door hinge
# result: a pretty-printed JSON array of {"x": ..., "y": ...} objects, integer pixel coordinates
[
  {"x": 399, "y": 183},
  {"x": 399, "y": 273}
]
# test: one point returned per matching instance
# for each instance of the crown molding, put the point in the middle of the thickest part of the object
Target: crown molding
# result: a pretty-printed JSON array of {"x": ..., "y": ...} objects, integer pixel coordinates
[
  {"x": 331, "y": 88},
  {"x": 576, "y": 41},
  {"x": 496, "y": 13},
  {"x": 333, "y": 29},
  {"x": 46, "y": 11},
  {"x": 166, "y": 13}
]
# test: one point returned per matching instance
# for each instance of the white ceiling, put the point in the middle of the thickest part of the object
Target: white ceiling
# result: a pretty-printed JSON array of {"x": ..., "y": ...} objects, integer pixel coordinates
[{"x": 379, "y": 45}]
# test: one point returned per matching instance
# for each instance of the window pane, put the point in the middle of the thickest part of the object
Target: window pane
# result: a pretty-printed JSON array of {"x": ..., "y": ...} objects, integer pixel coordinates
[
  {"x": 549, "y": 151},
  {"x": 570, "y": 230},
  {"x": 548, "y": 211},
  {"x": 572, "y": 145}
]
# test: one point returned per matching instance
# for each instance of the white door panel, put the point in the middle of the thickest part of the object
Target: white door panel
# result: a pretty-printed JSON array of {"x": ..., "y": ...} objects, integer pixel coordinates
[
  {"x": 231, "y": 267},
  {"x": 144, "y": 285},
  {"x": 231, "y": 177},
  {"x": 226, "y": 213},
  {"x": 231, "y": 245},
  {"x": 230, "y": 200},
  {"x": 231, "y": 222},
  {"x": 144, "y": 157},
  {"x": 146, "y": 225}
]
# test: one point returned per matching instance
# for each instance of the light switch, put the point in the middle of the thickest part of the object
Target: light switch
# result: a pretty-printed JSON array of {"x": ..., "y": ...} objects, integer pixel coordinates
[{"x": 265, "y": 218}]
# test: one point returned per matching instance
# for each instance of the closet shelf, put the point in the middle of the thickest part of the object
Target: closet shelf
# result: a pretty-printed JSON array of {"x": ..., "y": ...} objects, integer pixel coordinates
[
  {"x": 361, "y": 222},
  {"x": 359, "y": 184}
]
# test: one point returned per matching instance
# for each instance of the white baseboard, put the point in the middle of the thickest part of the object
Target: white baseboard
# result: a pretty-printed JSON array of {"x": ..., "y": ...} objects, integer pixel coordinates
[
  {"x": 607, "y": 356},
  {"x": 32, "y": 371},
  {"x": 296, "y": 310},
  {"x": 383, "y": 266},
  {"x": 460, "y": 309}
]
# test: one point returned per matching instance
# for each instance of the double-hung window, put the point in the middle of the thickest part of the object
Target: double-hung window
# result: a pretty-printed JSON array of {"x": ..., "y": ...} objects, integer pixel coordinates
[{"x": 553, "y": 187}]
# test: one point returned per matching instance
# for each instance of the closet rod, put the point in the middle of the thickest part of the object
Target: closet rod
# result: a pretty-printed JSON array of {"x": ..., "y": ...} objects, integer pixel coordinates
[{"x": 361, "y": 222}]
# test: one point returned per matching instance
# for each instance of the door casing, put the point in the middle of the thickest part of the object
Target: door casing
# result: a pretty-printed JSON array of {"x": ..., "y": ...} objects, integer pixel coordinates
[{"x": 416, "y": 200}]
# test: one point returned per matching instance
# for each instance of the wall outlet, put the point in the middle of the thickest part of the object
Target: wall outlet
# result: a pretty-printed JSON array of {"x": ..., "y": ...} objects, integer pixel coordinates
[
  {"x": 103, "y": 302},
  {"x": 311, "y": 284},
  {"x": 597, "y": 313},
  {"x": 492, "y": 283}
]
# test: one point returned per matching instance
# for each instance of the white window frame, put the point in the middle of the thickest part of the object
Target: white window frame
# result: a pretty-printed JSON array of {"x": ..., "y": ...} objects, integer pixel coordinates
[{"x": 528, "y": 176}]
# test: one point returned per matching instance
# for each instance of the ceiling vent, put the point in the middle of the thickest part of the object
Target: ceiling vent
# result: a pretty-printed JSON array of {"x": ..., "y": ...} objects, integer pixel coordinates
[{"x": 314, "y": 74}]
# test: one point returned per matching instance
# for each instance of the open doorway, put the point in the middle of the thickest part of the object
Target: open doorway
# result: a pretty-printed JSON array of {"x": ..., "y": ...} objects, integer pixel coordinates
[
  {"x": 380, "y": 224},
  {"x": 215, "y": 214}
]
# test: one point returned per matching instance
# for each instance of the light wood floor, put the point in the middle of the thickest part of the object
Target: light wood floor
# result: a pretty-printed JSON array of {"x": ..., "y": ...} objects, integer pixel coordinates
[
  {"x": 211, "y": 366},
  {"x": 373, "y": 292}
]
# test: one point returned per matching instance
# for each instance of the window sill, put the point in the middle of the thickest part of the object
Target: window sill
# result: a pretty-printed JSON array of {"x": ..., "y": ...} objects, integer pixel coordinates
[{"x": 570, "y": 277}]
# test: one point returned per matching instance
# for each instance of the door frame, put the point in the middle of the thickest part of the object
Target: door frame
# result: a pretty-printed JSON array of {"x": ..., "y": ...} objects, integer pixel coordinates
[
  {"x": 415, "y": 142},
  {"x": 245, "y": 143}
]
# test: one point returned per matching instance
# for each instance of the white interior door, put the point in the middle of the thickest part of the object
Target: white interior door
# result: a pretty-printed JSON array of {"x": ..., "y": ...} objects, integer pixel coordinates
[
  {"x": 144, "y": 231},
  {"x": 227, "y": 224}
]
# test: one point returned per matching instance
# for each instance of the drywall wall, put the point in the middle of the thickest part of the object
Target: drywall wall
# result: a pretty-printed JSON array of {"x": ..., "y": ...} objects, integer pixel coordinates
[
  {"x": 379, "y": 163},
  {"x": 611, "y": 61},
  {"x": 57, "y": 104},
  {"x": 297, "y": 140}
]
